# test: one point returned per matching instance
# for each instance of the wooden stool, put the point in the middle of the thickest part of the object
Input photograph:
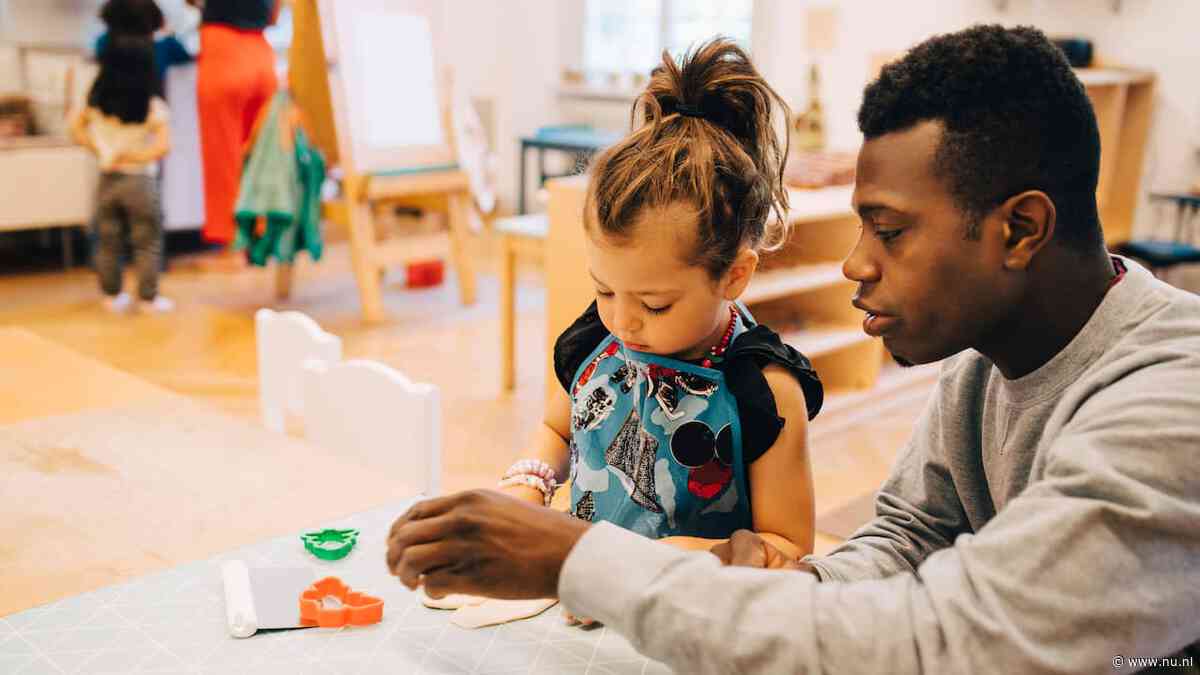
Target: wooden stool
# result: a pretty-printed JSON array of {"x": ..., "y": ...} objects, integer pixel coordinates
[{"x": 521, "y": 236}]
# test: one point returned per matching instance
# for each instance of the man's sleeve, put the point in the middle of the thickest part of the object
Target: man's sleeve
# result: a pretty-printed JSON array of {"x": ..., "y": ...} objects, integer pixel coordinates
[
  {"x": 1098, "y": 558},
  {"x": 917, "y": 510}
]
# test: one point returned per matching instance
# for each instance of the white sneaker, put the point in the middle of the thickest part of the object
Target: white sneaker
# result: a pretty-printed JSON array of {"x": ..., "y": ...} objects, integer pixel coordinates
[
  {"x": 159, "y": 305},
  {"x": 118, "y": 304}
]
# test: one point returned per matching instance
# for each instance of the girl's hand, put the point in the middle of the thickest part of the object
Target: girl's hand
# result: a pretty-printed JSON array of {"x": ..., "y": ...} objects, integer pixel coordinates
[
  {"x": 689, "y": 543},
  {"x": 749, "y": 549},
  {"x": 573, "y": 620}
]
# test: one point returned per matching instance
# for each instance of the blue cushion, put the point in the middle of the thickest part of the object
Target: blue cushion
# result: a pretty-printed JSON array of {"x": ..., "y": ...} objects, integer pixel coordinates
[{"x": 1161, "y": 253}]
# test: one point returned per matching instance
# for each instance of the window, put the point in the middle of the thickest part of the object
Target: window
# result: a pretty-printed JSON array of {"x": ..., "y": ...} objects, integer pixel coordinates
[
  {"x": 690, "y": 22},
  {"x": 629, "y": 35}
]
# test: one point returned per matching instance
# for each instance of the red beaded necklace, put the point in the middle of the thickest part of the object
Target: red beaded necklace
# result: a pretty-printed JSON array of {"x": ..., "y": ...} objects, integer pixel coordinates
[{"x": 714, "y": 354}]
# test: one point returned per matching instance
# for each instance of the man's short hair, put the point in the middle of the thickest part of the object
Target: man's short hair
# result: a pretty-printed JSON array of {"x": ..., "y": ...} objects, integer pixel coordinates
[{"x": 1014, "y": 116}]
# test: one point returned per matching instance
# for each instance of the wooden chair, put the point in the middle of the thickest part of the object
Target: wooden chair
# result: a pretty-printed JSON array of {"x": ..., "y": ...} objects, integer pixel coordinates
[
  {"x": 376, "y": 416},
  {"x": 285, "y": 340},
  {"x": 521, "y": 236}
]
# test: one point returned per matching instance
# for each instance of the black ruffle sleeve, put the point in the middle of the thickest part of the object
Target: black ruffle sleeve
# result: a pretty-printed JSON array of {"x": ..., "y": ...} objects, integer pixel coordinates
[{"x": 752, "y": 351}]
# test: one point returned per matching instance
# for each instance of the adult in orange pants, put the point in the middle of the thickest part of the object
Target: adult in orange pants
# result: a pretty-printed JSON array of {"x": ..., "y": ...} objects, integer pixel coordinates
[{"x": 236, "y": 79}]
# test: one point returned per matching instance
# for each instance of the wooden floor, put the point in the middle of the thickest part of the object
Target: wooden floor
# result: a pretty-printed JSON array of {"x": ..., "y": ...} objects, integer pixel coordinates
[{"x": 205, "y": 350}]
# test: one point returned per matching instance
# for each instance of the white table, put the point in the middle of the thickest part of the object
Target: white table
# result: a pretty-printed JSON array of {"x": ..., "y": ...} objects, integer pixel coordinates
[{"x": 174, "y": 622}]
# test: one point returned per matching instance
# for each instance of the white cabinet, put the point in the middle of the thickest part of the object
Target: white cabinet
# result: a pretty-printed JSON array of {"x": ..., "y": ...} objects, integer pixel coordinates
[{"x": 45, "y": 183}]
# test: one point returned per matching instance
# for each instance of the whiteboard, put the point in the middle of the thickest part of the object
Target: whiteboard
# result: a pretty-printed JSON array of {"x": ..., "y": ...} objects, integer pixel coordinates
[{"x": 388, "y": 98}]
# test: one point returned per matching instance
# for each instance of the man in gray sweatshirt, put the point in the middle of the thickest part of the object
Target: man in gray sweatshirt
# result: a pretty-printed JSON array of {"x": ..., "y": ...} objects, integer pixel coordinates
[{"x": 1045, "y": 515}]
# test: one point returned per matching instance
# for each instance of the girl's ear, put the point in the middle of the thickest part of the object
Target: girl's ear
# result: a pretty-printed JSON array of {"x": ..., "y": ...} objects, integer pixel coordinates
[{"x": 740, "y": 272}]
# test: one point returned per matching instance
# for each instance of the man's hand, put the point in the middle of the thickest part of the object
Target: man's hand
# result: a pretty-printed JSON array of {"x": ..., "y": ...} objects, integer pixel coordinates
[
  {"x": 747, "y": 549},
  {"x": 484, "y": 543},
  {"x": 525, "y": 494}
]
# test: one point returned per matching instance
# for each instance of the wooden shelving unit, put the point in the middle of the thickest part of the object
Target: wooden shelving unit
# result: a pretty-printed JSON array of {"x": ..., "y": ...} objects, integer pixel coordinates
[
  {"x": 1123, "y": 100},
  {"x": 781, "y": 283},
  {"x": 801, "y": 293},
  {"x": 799, "y": 290}
]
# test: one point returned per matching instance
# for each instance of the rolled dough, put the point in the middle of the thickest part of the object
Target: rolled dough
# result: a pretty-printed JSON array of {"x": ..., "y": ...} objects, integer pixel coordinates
[{"x": 495, "y": 612}]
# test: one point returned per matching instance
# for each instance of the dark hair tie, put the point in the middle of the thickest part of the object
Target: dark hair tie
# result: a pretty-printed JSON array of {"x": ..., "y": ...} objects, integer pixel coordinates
[{"x": 688, "y": 110}]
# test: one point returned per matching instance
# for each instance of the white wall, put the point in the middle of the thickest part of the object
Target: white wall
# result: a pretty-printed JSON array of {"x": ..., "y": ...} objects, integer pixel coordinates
[
  {"x": 864, "y": 28},
  {"x": 1155, "y": 34},
  {"x": 10, "y": 69},
  {"x": 508, "y": 53},
  {"x": 51, "y": 23},
  {"x": 1159, "y": 35}
]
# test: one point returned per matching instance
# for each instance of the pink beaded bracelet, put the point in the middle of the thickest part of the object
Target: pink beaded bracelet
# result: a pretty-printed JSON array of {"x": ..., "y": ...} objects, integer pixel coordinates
[
  {"x": 533, "y": 467},
  {"x": 538, "y": 483}
]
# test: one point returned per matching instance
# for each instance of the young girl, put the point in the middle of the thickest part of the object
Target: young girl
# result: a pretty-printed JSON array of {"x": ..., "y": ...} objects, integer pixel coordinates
[
  {"x": 125, "y": 125},
  {"x": 143, "y": 17},
  {"x": 681, "y": 418}
]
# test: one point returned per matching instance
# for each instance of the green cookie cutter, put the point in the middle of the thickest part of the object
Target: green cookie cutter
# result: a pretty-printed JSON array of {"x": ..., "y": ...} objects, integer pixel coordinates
[{"x": 330, "y": 544}]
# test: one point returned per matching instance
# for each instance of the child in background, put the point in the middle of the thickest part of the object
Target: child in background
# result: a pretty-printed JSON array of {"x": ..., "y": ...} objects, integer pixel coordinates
[
  {"x": 144, "y": 18},
  {"x": 681, "y": 418},
  {"x": 126, "y": 126}
]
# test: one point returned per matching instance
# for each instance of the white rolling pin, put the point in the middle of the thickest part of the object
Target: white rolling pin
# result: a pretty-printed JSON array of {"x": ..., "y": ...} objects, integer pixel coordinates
[{"x": 240, "y": 618}]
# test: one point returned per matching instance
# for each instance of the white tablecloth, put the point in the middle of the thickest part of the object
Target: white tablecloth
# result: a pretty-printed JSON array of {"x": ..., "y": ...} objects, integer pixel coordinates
[{"x": 174, "y": 622}]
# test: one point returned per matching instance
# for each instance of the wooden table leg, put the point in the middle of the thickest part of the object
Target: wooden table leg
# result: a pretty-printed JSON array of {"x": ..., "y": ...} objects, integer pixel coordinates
[
  {"x": 508, "y": 315},
  {"x": 362, "y": 256},
  {"x": 460, "y": 234},
  {"x": 68, "y": 247},
  {"x": 283, "y": 281}
]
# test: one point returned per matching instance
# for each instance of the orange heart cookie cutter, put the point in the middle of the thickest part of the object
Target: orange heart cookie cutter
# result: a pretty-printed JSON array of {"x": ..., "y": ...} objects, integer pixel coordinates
[{"x": 358, "y": 609}]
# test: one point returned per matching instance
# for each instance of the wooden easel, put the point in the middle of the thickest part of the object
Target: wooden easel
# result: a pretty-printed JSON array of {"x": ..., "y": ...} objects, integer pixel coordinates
[{"x": 446, "y": 190}]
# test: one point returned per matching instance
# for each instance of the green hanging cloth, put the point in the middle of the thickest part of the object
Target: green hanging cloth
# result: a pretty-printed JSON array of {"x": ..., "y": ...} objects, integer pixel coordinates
[{"x": 282, "y": 186}]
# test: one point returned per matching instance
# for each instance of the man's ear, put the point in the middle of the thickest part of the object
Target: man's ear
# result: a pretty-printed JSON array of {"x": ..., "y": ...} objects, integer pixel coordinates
[
  {"x": 740, "y": 272},
  {"x": 1029, "y": 223}
]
